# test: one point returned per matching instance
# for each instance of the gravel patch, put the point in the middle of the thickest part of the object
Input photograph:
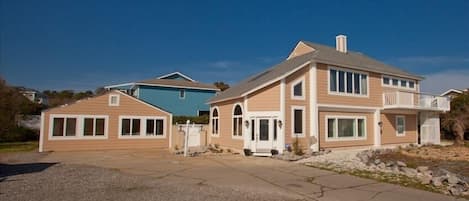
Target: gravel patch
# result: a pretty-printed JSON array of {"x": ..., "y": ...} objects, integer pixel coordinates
[{"x": 79, "y": 182}]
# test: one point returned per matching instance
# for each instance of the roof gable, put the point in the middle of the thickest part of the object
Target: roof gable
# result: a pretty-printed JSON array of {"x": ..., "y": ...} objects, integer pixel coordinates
[{"x": 176, "y": 76}]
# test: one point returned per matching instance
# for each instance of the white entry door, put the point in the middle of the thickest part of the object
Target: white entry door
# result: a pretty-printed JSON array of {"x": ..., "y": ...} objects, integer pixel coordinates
[{"x": 263, "y": 133}]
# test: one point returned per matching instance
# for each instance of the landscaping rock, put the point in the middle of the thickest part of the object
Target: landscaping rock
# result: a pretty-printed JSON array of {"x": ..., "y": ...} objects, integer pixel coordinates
[
  {"x": 410, "y": 172},
  {"x": 381, "y": 166},
  {"x": 438, "y": 181},
  {"x": 456, "y": 190},
  {"x": 390, "y": 164},
  {"x": 401, "y": 164},
  {"x": 422, "y": 169},
  {"x": 426, "y": 179},
  {"x": 377, "y": 161},
  {"x": 453, "y": 179}
]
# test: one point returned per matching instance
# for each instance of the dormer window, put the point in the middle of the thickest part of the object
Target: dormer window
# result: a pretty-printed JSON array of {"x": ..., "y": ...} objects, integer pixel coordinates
[
  {"x": 114, "y": 100},
  {"x": 298, "y": 89}
]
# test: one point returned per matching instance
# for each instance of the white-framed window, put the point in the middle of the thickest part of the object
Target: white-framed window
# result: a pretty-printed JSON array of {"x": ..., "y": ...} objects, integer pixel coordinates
[
  {"x": 215, "y": 121},
  {"x": 114, "y": 100},
  {"x": 237, "y": 121},
  {"x": 182, "y": 94},
  {"x": 64, "y": 126},
  {"x": 400, "y": 125},
  {"x": 345, "y": 128},
  {"x": 395, "y": 82},
  {"x": 298, "y": 120},
  {"x": 94, "y": 126},
  {"x": 142, "y": 127},
  {"x": 298, "y": 89},
  {"x": 347, "y": 82}
]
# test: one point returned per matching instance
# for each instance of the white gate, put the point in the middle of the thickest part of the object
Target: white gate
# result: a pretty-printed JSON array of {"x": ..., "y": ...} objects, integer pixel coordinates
[
  {"x": 194, "y": 134},
  {"x": 429, "y": 128}
]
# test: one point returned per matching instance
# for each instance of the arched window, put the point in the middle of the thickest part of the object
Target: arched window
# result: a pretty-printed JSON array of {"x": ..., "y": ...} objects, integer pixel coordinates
[
  {"x": 237, "y": 121},
  {"x": 215, "y": 121}
]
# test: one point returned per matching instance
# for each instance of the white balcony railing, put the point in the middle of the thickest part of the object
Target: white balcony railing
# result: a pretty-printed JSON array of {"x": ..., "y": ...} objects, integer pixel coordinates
[{"x": 401, "y": 99}]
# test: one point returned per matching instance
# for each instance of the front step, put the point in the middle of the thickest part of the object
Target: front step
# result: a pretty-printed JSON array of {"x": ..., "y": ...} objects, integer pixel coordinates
[{"x": 268, "y": 154}]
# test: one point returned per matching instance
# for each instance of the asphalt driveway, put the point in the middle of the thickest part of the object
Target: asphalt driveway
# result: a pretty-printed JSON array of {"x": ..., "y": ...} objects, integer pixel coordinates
[{"x": 157, "y": 175}]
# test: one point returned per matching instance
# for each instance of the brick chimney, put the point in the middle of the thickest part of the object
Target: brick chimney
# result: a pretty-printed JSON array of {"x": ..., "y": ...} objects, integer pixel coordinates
[{"x": 341, "y": 43}]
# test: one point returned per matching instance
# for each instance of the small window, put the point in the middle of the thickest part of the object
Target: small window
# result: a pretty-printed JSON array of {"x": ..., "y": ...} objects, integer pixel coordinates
[
  {"x": 238, "y": 121},
  {"x": 182, "y": 94},
  {"x": 215, "y": 121},
  {"x": 298, "y": 121},
  {"x": 114, "y": 100},
  {"x": 58, "y": 127},
  {"x": 93, "y": 126},
  {"x": 411, "y": 84},
  {"x": 298, "y": 89},
  {"x": 386, "y": 80},
  {"x": 395, "y": 82},
  {"x": 331, "y": 128},
  {"x": 154, "y": 127},
  {"x": 400, "y": 125},
  {"x": 64, "y": 127},
  {"x": 333, "y": 80},
  {"x": 341, "y": 81},
  {"x": 349, "y": 82},
  {"x": 142, "y": 127},
  {"x": 403, "y": 83}
]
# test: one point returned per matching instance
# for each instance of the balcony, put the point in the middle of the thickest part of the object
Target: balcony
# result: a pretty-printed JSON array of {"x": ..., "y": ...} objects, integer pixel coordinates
[{"x": 410, "y": 100}]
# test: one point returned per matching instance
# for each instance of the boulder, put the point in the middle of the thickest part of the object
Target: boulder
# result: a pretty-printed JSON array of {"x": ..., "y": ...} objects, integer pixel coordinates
[
  {"x": 422, "y": 169},
  {"x": 453, "y": 179},
  {"x": 426, "y": 179},
  {"x": 401, "y": 164},
  {"x": 410, "y": 172},
  {"x": 438, "y": 181},
  {"x": 381, "y": 165},
  {"x": 377, "y": 161},
  {"x": 456, "y": 190}
]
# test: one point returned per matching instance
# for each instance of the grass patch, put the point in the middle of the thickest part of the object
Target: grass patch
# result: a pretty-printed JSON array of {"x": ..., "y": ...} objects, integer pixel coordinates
[{"x": 18, "y": 146}]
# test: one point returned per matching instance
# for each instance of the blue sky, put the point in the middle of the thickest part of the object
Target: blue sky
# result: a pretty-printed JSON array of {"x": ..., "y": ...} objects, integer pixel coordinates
[{"x": 82, "y": 45}]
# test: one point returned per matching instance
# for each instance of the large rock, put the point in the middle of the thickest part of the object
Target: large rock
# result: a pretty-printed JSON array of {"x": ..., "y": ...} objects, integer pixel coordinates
[
  {"x": 438, "y": 181},
  {"x": 410, "y": 172},
  {"x": 453, "y": 179},
  {"x": 401, "y": 164},
  {"x": 381, "y": 166},
  {"x": 456, "y": 190},
  {"x": 422, "y": 169},
  {"x": 377, "y": 161},
  {"x": 426, "y": 179}
]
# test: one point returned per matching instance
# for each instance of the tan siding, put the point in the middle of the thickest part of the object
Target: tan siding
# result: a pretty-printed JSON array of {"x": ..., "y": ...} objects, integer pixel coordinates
[
  {"x": 225, "y": 114},
  {"x": 334, "y": 144},
  {"x": 99, "y": 106},
  {"x": 300, "y": 49},
  {"x": 389, "y": 129},
  {"x": 375, "y": 91},
  {"x": 289, "y": 102},
  {"x": 267, "y": 99}
]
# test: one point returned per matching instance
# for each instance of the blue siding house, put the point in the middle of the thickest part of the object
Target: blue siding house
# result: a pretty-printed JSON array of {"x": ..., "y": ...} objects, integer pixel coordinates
[{"x": 174, "y": 92}]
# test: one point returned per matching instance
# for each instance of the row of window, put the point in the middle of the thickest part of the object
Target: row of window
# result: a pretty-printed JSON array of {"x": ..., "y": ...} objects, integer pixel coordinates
[
  {"x": 397, "y": 82},
  {"x": 97, "y": 126},
  {"x": 348, "y": 82},
  {"x": 237, "y": 129}
]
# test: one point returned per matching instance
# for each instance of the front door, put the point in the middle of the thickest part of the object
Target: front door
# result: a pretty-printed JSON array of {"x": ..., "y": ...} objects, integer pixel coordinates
[{"x": 263, "y": 133}]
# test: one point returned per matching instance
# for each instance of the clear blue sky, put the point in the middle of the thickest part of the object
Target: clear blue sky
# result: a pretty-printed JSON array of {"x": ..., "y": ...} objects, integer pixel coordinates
[{"x": 82, "y": 44}]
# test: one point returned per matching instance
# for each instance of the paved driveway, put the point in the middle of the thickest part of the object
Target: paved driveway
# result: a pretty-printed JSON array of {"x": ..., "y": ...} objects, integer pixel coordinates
[{"x": 229, "y": 177}]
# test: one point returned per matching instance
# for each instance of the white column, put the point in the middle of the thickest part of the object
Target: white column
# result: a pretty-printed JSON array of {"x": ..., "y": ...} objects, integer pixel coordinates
[
  {"x": 377, "y": 128},
  {"x": 281, "y": 137},
  {"x": 246, "y": 134},
  {"x": 313, "y": 107},
  {"x": 42, "y": 133}
]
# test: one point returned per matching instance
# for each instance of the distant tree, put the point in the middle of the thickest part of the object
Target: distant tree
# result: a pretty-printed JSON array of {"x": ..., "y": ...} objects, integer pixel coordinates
[
  {"x": 221, "y": 85},
  {"x": 457, "y": 119},
  {"x": 100, "y": 90}
]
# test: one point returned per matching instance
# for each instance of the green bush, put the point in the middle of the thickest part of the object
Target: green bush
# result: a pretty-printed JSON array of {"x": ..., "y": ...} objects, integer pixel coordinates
[
  {"x": 194, "y": 119},
  {"x": 19, "y": 134}
]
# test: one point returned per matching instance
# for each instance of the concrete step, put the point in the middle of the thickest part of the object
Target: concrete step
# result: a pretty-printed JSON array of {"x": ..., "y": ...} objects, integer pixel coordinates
[{"x": 268, "y": 154}]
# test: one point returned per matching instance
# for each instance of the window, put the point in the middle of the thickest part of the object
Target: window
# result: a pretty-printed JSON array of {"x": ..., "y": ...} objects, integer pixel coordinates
[
  {"x": 78, "y": 126},
  {"x": 182, "y": 94},
  {"x": 215, "y": 121},
  {"x": 275, "y": 129},
  {"x": 130, "y": 127},
  {"x": 154, "y": 127},
  {"x": 345, "y": 128},
  {"x": 348, "y": 82},
  {"x": 298, "y": 120},
  {"x": 142, "y": 126},
  {"x": 64, "y": 126},
  {"x": 298, "y": 89},
  {"x": 237, "y": 121},
  {"x": 390, "y": 81},
  {"x": 93, "y": 126},
  {"x": 114, "y": 100},
  {"x": 400, "y": 125}
]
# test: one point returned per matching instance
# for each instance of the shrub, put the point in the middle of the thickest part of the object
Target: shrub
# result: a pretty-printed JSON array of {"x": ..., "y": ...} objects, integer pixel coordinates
[
  {"x": 19, "y": 134},
  {"x": 194, "y": 119}
]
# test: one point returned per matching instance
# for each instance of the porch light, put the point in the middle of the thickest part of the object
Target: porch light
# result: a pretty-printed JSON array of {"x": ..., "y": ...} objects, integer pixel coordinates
[
  {"x": 246, "y": 123},
  {"x": 280, "y": 123}
]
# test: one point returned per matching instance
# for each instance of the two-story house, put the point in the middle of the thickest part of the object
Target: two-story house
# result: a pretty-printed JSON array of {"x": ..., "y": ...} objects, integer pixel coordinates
[
  {"x": 174, "y": 92},
  {"x": 325, "y": 97}
]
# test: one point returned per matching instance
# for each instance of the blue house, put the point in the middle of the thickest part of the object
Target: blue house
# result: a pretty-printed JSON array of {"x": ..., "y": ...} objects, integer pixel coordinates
[{"x": 174, "y": 92}]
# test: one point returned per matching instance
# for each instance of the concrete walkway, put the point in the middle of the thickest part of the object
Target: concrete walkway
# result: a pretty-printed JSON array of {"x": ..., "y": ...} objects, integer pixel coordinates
[{"x": 261, "y": 175}]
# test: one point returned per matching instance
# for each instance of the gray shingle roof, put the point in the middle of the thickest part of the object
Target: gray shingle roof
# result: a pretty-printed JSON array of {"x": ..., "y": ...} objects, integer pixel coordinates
[
  {"x": 322, "y": 54},
  {"x": 178, "y": 83}
]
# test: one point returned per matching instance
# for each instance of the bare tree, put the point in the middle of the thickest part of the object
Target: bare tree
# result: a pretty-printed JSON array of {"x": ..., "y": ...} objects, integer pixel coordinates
[{"x": 457, "y": 119}]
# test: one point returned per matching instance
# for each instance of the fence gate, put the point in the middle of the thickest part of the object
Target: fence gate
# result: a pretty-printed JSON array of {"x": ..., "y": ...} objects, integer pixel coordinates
[{"x": 429, "y": 128}]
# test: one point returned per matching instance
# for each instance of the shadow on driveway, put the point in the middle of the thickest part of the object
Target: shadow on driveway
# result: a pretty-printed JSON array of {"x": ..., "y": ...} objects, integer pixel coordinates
[{"x": 7, "y": 170}]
